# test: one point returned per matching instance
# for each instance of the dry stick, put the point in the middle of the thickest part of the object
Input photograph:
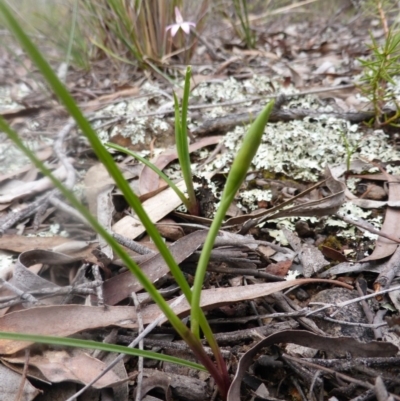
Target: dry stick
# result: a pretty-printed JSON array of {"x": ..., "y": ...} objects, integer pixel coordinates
[
  {"x": 296, "y": 384},
  {"x": 20, "y": 393},
  {"x": 222, "y": 104},
  {"x": 367, "y": 227},
  {"x": 373, "y": 326},
  {"x": 132, "y": 245},
  {"x": 214, "y": 55},
  {"x": 287, "y": 305},
  {"x": 334, "y": 373},
  {"x": 99, "y": 289},
  {"x": 246, "y": 272},
  {"x": 25, "y": 297},
  {"x": 300, "y": 313},
  {"x": 351, "y": 301},
  {"x": 182, "y": 346},
  {"x": 306, "y": 375},
  {"x": 82, "y": 289},
  {"x": 316, "y": 378},
  {"x": 389, "y": 271},
  {"x": 140, "y": 361},
  {"x": 254, "y": 308},
  {"x": 64, "y": 207},
  {"x": 64, "y": 160},
  {"x": 13, "y": 217},
  {"x": 368, "y": 312},
  {"x": 133, "y": 344},
  {"x": 381, "y": 391},
  {"x": 378, "y": 319}
]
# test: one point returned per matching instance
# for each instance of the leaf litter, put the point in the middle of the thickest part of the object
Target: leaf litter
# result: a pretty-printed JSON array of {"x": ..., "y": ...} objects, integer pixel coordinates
[{"x": 53, "y": 289}]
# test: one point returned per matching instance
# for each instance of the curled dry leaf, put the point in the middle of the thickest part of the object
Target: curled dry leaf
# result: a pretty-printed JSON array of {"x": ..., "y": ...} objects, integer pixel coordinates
[{"x": 385, "y": 247}]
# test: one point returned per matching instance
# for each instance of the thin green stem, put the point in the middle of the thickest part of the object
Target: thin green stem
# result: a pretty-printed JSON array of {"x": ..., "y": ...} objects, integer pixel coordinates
[
  {"x": 149, "y": 164},
  {"x": 237, "y": 174},
  {"x": 78, "y": 343},
  {"x": 182, "y": 145}
]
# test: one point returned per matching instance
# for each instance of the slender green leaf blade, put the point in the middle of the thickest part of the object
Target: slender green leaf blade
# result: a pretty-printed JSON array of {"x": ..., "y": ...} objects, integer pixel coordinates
[{"x": 77, "y": 343}]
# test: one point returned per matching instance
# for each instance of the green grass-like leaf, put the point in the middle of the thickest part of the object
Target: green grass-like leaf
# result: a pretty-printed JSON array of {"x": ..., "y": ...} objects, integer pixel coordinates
[
  {"x": 182, "y": 144},
  {"x": 236, "y": 176},
  {"x": 149, "y": 164},
  {"x": 132, "y": 199},
  {"x": 74, "y": 342}
]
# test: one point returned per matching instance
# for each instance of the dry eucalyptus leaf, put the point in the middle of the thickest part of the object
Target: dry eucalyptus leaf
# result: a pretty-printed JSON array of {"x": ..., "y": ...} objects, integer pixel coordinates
[
  {"x": 62, "y": 321},
  {"x": 73, "y": 365},
  {"x": 157, "y": 207},
  {"x": 383, "y": 246},
  {"x": 33, "y": 187}
]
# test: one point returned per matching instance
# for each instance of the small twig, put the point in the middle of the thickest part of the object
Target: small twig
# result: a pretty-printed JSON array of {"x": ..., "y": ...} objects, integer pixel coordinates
[
  {"x": 99, "y": 288},
  {"x": 373, "y": 326},
  {"x": 360, "y": 383},
  {"x": 351, "y": 301},
  {"x": 245, "y": 272},
  {"x": 10, "y": 219},
  {"x": 288, "y": 306},
  {"x": 210, "y": 50},
  {"x": 66, "y": 162},
  {"x": 61, "y": 205},
  {"x": 388, "y": 272},
  {"x": 253, "y": 307},
  {"x": 132, "y": 245},
  {"x": 25, "y": 297},
  {"x": 140, "y": 359},
  {"x": 367, "y": 227},
  {"x": 20, "y": 393},
  {"x": 82, "y": 289},
  {"x": 316, "y": 378},
  {"x": 368, "y": 312}
]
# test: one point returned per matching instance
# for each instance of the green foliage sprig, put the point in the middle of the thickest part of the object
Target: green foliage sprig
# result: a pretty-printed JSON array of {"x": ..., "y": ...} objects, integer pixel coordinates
[
  {"x": 234, "y": 180},
  {"x": 379, "y": 71},
  {"x": 243, "y": 27}
]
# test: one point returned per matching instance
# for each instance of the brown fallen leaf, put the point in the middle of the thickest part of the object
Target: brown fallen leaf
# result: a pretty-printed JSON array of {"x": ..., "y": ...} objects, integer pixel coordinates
[
  {"x": 104, "y": 100},
  {"x": 74, "y": 366},
  {"x": 65, "y": 320},
  {"x": 280, "y": 268},
  {"x": 73, "y": 248},
  {"x": 33, "y": 187},
  {"x": 157, "y": 208},
  {"x": 333, "y": 254},
  {"x": 120, "y": 287},
  {"x": 62, "y": 321},
  {"x": 385, "y": 247},
  {"x": 217, "y": 297}
]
